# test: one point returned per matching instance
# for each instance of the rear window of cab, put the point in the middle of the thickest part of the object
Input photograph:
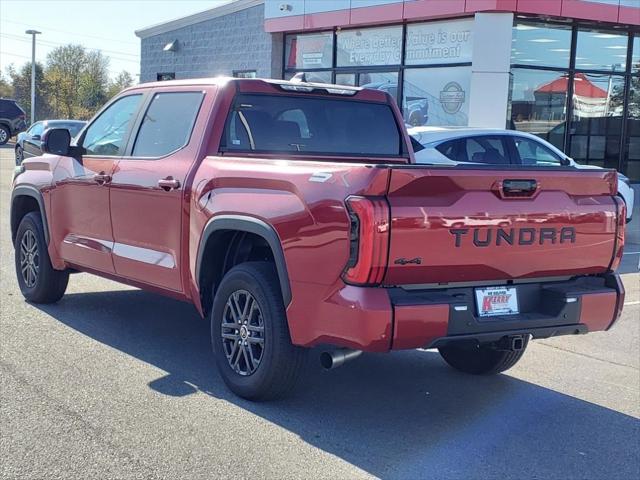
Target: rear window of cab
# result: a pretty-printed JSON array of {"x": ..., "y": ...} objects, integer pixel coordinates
[{"x": 311, "y": 125}]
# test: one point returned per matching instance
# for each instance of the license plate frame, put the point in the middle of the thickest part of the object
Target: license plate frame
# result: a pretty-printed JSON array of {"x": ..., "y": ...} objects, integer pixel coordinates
[{"x": 496, "y": 301}]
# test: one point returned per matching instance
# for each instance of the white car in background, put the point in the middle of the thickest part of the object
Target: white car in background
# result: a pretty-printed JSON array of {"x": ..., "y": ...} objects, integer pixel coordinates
[{"x": 458, "y": 145}]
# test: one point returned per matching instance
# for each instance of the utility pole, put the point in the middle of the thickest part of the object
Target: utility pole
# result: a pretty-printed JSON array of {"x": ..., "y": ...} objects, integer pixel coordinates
[{"x": 33, "y": 34}]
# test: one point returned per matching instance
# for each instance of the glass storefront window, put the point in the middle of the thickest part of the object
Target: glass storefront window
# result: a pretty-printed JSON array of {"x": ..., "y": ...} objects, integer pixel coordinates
[
  {"x": 538, "y": 103},
  {"x": 631, "y": 168},
  {"x": 635, "y": 55},
  {"x": 541, "y": 44},
  {"x": 436, "y": 96},
  {"x": 314, "y": 77},
  {"x": 371, "y": 46},
  {"x": 385, "y": 81},
  {"x": 600, "y": 50},
  {"x": 594, "y": 130},
  {"x": 314, "y": 50},
  {"x": 439, "y": 42}
]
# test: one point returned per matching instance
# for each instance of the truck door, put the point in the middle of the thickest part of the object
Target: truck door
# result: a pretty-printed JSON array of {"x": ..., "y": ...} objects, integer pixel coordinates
[
  {"x": 148, "y": 197},
  {"x": 80, "y": 200}
]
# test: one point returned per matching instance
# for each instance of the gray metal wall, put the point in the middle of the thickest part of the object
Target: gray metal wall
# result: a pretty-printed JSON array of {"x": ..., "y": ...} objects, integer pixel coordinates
[{"x": 215, "y": 47}]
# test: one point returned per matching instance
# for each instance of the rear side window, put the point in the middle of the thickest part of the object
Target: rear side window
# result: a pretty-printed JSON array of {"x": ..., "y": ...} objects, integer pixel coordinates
[
  {"x": 10, "y": 108},
  {"x": 167, "y": 124},
  {"x": 311, "y": 125},
  {"x": 487, "y": 150},
  {"x": 534, "y": 153}
]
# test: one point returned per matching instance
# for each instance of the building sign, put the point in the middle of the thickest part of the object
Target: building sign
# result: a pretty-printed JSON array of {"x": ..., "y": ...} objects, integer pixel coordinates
[
  {"x": 310, "y": 51},
  {"x": 372, "y": 46},
  {"x": 439, "y": 42}
]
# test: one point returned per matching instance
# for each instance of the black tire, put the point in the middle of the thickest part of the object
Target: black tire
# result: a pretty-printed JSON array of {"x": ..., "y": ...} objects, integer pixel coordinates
[
  {"x": 43, "y": 284},
  {"x": 280, "y": 363},
  {"x": 483, "y": 359},
  {"x": 5, "y": 134},
  {"x": 19, "y": 154}
]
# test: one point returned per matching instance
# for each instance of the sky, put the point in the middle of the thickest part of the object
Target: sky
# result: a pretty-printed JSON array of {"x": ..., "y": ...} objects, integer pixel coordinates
[{"x": 106, "y": 25}]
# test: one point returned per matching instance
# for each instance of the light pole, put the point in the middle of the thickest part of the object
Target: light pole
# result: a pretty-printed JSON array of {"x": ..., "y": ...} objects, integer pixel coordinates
[{"x": 33, "y": 34}]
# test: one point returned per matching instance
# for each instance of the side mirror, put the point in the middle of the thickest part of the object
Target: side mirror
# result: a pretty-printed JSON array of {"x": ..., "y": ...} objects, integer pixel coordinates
[
  {"x": 565, "y": 162},
  {"x": 36, "y": 137},
  {"x": 56, "y": 141}
]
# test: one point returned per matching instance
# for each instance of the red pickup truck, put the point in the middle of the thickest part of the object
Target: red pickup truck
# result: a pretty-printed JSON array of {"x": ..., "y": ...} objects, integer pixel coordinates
[{"x": 294, "y": 215}]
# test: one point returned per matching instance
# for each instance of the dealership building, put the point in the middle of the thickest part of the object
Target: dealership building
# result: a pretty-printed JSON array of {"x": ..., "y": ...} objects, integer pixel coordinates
[{"x": 566, "y": 70}]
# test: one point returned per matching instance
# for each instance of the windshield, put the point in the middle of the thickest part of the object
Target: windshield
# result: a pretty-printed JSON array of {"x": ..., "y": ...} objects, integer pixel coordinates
[{"x": 312, "y": 125}]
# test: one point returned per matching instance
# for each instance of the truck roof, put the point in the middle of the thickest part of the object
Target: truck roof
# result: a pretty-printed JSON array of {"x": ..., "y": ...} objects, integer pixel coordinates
[{"x": 265, "y": 85}]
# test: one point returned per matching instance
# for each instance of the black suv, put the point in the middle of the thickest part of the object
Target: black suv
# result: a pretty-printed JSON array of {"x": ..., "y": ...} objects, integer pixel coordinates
[{"x": 12, "y": 119}]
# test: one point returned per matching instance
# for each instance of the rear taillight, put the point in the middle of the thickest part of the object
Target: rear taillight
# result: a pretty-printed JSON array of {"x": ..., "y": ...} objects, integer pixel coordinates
[{"x": 369, "y": 240}]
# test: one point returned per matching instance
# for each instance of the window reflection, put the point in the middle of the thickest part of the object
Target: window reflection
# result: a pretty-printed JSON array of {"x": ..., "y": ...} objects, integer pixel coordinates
[
  {"x": 538, "y": 103},
  {"x": 631, "y": 168},
  {"x": 541, "y": 44},
  {"x": 594, "y": 134},
  {"x": 314, "y": 77},
  {"x": 385, "y": 81},
  {"x": 635, "y": 56},
  {"x": 600, "y": 50}
]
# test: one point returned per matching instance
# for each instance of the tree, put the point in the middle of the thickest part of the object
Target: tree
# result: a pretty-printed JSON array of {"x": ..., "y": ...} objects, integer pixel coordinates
[
  {"x": 93, "y": 82},
  {"x": 21, "y": 86},
  {"x": 6, "y": 88},
  {"x": 65, "y": 66},
  {"x": 122, "y": 81}
]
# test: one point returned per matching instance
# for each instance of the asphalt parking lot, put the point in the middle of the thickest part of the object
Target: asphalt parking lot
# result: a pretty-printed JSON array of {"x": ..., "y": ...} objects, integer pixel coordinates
[{"x": 113, "y": 382}]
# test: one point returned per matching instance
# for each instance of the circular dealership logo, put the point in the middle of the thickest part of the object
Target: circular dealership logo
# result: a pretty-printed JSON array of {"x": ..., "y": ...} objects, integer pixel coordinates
[{"x": 452, "y": 97}]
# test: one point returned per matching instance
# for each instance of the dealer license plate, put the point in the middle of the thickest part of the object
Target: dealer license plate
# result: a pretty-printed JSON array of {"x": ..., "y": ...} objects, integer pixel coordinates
[{"x": 494, "y": 301}]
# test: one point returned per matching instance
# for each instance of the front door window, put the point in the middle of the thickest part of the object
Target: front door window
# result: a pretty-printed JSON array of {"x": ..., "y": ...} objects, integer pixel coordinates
[{"x": 107, "y": 135}]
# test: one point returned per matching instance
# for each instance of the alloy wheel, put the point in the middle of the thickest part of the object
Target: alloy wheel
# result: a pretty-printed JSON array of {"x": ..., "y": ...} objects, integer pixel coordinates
[
  {"x": 19, "y": 155},
  {"x": 243, "y": 332},
  {"x": 3, "y": 136},
  {"x": 29, "y": 259}
]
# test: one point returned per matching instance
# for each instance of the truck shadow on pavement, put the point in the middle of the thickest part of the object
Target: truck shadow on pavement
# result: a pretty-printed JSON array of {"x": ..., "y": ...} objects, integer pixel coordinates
[{"x": 403, "y": 415}]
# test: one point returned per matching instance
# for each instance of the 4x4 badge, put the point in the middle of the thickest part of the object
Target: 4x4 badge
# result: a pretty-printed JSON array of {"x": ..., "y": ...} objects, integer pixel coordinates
[{"x": 404, "y": 261}]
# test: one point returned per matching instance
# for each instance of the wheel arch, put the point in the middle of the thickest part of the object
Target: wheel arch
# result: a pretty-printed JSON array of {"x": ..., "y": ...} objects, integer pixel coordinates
[
  {"x": 22, "y": 202},
  {"x": 228, "y": 235}
]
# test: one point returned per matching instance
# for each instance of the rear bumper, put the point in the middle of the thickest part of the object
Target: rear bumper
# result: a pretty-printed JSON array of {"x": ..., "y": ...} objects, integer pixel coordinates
[
  {"x": 428, "y": 319},
  {"x": 383, "y": 319}
]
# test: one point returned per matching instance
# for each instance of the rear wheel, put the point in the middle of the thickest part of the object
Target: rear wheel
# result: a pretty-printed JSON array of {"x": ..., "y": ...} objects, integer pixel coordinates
[
  {"x": 250, "y": 334},
  {"x": 38, "y": 281},
  {"x": 482, "y": 359}
]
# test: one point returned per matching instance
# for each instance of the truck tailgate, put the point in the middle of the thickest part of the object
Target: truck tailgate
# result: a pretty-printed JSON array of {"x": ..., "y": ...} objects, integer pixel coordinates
[{"x": 477, "y": 224}]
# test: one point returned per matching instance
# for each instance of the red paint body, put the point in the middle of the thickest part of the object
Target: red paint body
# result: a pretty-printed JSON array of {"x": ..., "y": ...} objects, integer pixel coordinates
[{"x": 133, "y": 231}]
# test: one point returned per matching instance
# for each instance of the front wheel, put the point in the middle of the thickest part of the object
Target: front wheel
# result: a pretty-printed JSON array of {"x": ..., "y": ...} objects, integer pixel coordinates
[
  {"x": 38, "y": 281},
  {"x": 482, "y": 359},
  {"x": 250, "y": 334}
]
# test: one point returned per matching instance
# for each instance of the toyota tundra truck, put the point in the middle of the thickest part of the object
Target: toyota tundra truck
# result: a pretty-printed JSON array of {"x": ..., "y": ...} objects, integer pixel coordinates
[{"x": 293, "y": 215}]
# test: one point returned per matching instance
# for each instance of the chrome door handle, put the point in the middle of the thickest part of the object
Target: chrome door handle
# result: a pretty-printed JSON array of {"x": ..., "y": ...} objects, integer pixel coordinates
[
  {"x": 168, "y": 184},
  {"x": 101, "y": 178}
]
